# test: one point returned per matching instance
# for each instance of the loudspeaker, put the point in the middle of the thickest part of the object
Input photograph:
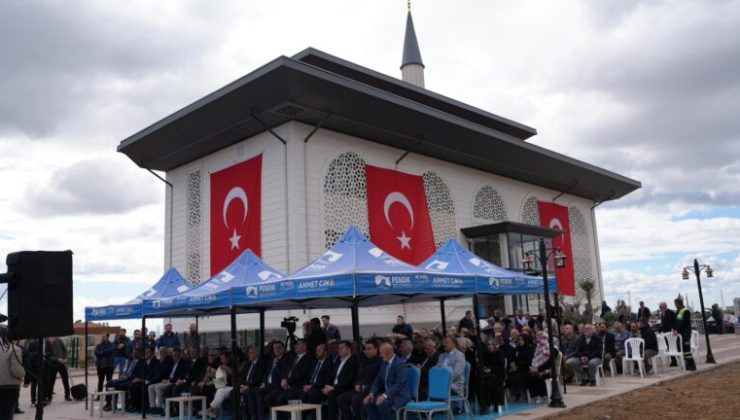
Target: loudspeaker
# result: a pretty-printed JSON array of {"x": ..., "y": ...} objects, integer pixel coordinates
[{"x": 39, "y": 294}]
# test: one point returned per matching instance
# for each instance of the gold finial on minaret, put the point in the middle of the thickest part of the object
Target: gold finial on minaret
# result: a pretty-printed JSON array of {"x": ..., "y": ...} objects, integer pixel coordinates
[{"x": 408, "y": 4}]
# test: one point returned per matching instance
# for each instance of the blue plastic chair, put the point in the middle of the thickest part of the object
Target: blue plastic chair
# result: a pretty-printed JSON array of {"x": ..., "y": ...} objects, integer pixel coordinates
[
  {"x": 413, "y": 378},
  {"x": 440, "y": 379},
  {"x": 466, "y": 392}
]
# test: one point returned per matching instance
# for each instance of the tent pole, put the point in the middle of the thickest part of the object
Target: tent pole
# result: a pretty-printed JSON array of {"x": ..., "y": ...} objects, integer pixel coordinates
[
  {"x": 478, "y": 340},
  {"x": 86, "y": 361},
  {"x": 356, "y": 325},
  {"x": 262, "y": 331},
  {"x": 197, "y": 332},
  {"x": 444, "y": 315},
  {"x": 144, "y": 396},
  {"x": 235, "y": 379}
]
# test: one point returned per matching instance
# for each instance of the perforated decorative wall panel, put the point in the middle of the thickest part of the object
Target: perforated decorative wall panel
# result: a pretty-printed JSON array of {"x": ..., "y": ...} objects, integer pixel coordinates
[
  {"x": 530, "y": 211},
  {"x": 441, "y": 208},
  {"x": 194, "y": 227},
  {"x": 583, "y": 263},
  {"x": 488, "y": 205},
  {"x": 345, "y": 197}
]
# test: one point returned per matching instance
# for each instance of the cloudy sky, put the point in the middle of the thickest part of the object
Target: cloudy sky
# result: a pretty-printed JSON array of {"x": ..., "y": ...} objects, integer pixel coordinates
[{"x": 649, "y": 89}]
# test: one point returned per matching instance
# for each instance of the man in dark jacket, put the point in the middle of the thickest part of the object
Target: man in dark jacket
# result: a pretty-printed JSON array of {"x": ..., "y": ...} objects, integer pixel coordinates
[
  {"x": 135, "y": 369},
  {"x": 169, "y": 338},
  {"x": 320, "y": 375},
  {"x": 57, "y": 364},
  {"x": 158, "y": 391},
  {"x": 467, "y": 322},
  {"x": 651, "y": 344},
  {"x": 291, "y": 386},
  {"x": 196, "y": 367},
  {"x": 275, "y": 370},
  {"x": 643, "y": 312},
  {"x": 431, "y": 356},
  {"x": 150, "y": 374},
  {"x": 607, "y": 341},
  {"x": 330, "y": 330},
  {"x": 402, "y": 329},
  {"x": 588, "y": 353},
  {"x": 350, "y": 402},
  {"x": 667, "y": 323},
  {"x": 254, "y": 373},
  {"x": 341, "y": 379}
]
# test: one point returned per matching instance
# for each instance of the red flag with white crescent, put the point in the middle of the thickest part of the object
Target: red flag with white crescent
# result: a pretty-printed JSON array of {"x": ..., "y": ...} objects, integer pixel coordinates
[
  {"x": 398, "y": 214},
  {"x": 236, "y": 204},
  {"x": 555, "y": 216}
]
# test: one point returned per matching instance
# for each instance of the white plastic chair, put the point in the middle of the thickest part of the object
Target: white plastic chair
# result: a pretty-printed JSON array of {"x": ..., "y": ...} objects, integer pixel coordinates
[
  {"x": 675, "y": 348},
  {"x": 694, "y": 343},
  {"x": 634, "y": 349},
  {"x": 661, "y": 356}
]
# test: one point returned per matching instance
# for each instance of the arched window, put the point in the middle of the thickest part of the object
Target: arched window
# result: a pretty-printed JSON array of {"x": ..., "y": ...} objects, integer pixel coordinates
[
  {"x": 194, "y": 227},
  {"x": 345, "y": 197},
  {"x": 441, "y": 208},
  {"x": 582, "y": 262},
  {"x": 531, "y": 211},
  {"x": 488, "y": 205}
]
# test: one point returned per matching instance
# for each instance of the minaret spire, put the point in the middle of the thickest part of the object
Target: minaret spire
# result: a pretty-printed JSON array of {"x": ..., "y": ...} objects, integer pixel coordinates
[{"x": 412, "y": 68}]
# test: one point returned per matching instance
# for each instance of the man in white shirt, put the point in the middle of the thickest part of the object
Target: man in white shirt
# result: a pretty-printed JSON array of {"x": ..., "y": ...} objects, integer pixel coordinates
[{"x": 342, "y": 378}]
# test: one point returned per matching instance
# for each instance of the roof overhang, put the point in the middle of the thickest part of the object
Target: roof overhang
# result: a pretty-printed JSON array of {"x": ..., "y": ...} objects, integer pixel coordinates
[
  {"x": 385, "y": 112},
  {"x": 510, "y": 227}
]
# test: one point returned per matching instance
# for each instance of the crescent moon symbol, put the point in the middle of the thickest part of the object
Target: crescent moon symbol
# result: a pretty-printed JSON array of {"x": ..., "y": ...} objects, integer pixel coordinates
[
  {"x": 239, "y": 194},
  {"x": 555, "y": 224},
  {"x": 397, "y": 197}
]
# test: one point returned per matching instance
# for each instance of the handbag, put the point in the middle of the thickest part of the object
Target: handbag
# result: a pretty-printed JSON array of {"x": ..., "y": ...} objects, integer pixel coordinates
[{"x": 79, "y": 391}]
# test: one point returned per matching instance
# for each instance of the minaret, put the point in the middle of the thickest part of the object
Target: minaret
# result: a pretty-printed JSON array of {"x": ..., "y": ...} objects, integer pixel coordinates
[{"x": 412, "y": 68}]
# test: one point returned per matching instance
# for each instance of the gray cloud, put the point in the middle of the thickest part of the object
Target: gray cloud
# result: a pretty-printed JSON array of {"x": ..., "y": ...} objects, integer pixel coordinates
[{"x": 101, "y": 186}]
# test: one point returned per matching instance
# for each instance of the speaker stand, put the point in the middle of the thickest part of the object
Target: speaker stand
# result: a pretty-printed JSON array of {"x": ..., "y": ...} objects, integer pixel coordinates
[{"x": 40, "y": 390}]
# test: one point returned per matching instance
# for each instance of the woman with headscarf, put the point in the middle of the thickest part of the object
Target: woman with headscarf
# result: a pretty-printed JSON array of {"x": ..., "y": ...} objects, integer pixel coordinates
[
  {"x": 541, "y": 368},
  {"x": 493, "y": 375},
  {"x": 518, "y": 376}
]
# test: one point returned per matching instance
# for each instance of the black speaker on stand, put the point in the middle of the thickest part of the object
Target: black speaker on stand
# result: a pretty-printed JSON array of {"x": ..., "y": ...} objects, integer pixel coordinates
[{"x": 39, "y": 300}]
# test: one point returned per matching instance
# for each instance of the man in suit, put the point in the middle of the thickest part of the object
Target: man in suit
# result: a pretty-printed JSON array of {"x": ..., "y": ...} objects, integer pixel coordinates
[
  {"x": 253, "y": 376},
  {"x": 135, "y": 369},
  {"x": 330, "y": 330},
  {"x": 350, "y": 402},
  {"x": 342, "y": 378},
  {"x": 150, "y": 372},
  {"x": 321, "y": 374},
  {"x": 643, "y": 312},
  {"x": 158, "y": 391},
  {"x": 667, "y": 323},
  {"x": 588, "y": 353},
  {"x": 273, "y": 374},
  {"x": 291, "y": 385},
  {"x": 431, "y": 357},
  {"x": 390, "y": 390},
  {"x": 196, "y": 367}
]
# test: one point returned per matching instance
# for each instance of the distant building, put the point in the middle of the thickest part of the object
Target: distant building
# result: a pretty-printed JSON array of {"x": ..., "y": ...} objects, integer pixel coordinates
[{"x": 315, "y": 122}]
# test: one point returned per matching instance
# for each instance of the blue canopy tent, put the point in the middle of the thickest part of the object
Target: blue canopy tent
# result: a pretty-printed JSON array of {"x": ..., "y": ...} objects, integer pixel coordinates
[
  {"x": 218, "y": 296},
  {"x": 455, "y": 262},
  {"x": 171, "y": 283}
]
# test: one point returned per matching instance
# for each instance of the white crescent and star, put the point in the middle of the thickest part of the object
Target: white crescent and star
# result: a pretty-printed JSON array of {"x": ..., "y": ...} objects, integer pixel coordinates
[
  {"x": 397, "y": 197},
  {"x": 555, "y": 224},
  {"x": 236, "y": 193}
]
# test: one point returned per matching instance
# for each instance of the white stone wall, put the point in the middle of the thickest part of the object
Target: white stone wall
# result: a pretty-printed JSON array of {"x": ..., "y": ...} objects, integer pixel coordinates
[{"x": 293, "y": 212}]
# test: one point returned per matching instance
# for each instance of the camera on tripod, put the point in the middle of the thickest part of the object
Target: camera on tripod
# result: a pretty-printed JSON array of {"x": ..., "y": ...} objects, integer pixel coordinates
[{"x": 290, "y": 323}]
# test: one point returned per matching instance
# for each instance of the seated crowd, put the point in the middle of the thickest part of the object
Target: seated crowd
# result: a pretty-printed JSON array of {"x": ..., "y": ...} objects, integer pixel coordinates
[{"x": 369, "y": 379}]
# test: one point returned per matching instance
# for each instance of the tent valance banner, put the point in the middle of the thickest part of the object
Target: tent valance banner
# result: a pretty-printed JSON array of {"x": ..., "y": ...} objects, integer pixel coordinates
[
  {"x": 239, "y": 279},
  {"x": 555, "y": 216},
  {"x": 170, "y": 284},
  {"x": 236, "y": 206}
]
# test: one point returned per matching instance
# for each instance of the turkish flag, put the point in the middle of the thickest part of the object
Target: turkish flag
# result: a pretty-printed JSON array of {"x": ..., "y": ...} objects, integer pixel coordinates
[
  {"x": 398, "y": 214},
  {"x": 236, "y": 204},
  {"x": 555, "y": 216}
]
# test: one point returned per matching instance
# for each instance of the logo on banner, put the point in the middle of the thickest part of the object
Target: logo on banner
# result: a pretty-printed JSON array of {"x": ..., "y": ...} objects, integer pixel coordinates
[
  {"x": 494, "y": 282},
  {"x": 225, "y": 277},
  {"x": 383, "y": 281},
  {"x": 235, "y": 212},
  {"x": 252, "y": 291},
  {"x": 183, "y": 289},
  {"x": 475, "y": 261},
  {"x": 437, "y": 265},
  {"x": 329, "y": 257},
  {"x": 398, "y": 214},
  {"x": 151, "y": 292}
]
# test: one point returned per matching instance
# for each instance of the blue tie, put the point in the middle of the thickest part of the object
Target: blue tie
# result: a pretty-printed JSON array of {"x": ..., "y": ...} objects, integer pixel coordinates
[
  {"x": 387, "y": 372},
  {"x": 316, "y": 372}
]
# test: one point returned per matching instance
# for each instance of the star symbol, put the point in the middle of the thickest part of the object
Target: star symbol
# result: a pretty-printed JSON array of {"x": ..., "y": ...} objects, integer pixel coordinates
[
  {"x": 235, "y": 240},
  {"x": 405, "y": 240}
]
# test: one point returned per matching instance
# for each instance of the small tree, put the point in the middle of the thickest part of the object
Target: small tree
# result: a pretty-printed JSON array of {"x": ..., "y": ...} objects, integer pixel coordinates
[{"x": 588, "y": 286}]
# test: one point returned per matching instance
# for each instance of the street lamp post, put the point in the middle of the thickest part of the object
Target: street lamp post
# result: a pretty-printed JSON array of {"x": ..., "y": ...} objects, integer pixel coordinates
[
  {"x": 710, "y": 273},
  {"x": 556, "y": 400}
]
